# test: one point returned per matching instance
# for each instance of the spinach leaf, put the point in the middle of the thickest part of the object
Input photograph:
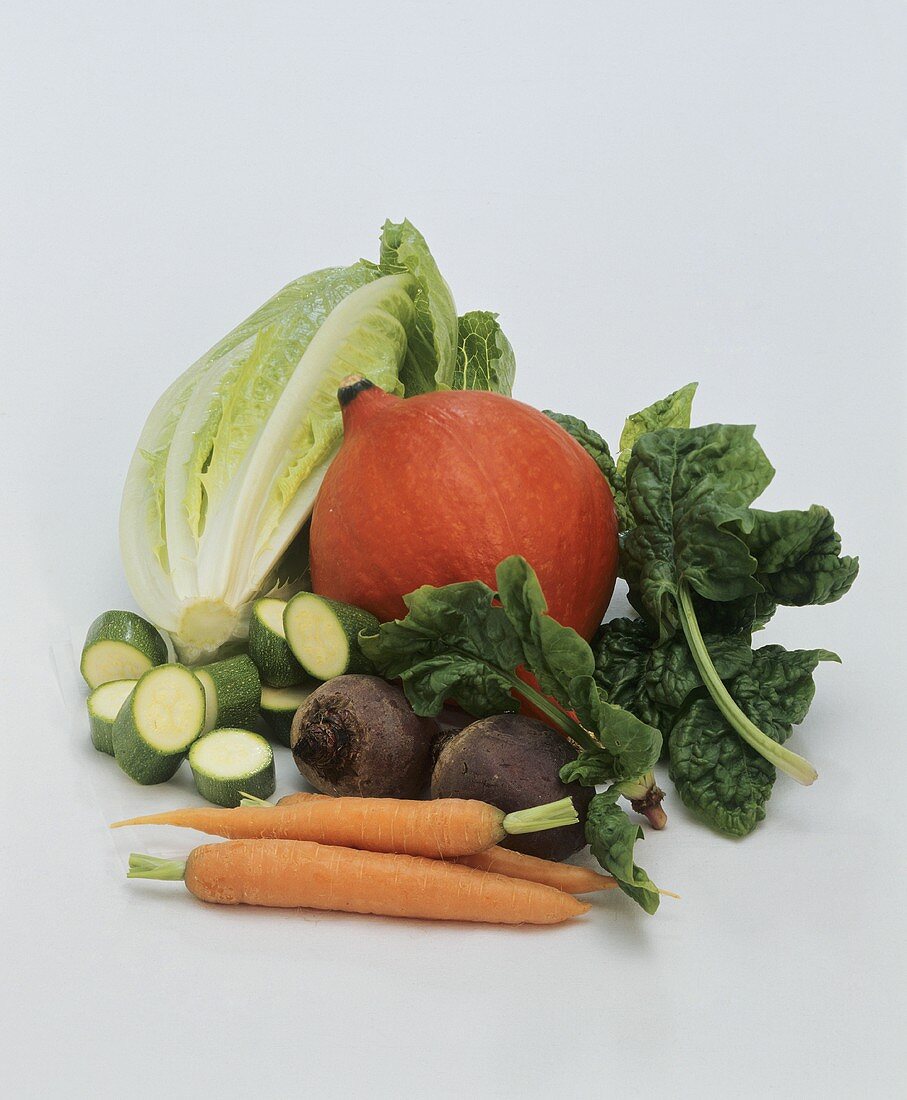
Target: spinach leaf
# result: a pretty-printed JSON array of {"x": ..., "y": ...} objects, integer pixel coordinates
[
  {"x": 611, "y": 836},
  {"x": 691, "y": 491},
  {"x": 743, "y": 616},
  {"x": 485, "y": 359},
  {"x": 798, "y": 556},
  {"x": 655, "y": 681},
  {"x": 720, "y": 777},
  {"x": 673, "y": 411},
  {"x": 717, "y": 775},
  {"x": 688, "y": 488}
]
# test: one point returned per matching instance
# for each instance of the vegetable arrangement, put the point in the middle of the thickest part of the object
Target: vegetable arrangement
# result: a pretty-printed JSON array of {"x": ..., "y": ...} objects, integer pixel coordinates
[{"x": 343, "y": 526}]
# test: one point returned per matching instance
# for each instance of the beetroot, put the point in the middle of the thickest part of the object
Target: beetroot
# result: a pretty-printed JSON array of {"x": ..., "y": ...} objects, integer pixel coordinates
[{"x": 513, "y": 762}]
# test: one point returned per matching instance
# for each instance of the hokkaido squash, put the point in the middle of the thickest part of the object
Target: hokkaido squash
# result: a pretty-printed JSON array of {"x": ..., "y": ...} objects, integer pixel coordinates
[{"x": 441, "y": 487}]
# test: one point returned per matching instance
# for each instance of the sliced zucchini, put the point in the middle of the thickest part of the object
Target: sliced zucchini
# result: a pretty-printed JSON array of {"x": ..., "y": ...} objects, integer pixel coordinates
[
  {"x": 323, "y": 635},
  {"x": 156, "y": 725},
  {"x": 268, "y": 645},
  {"x": 120, "y": 645},
  {"x": 233, "y": 692},
  {"x": 228, "y": 763},
  {"x": 104, "y": 705},
  {"x": 278, "y": 707}
]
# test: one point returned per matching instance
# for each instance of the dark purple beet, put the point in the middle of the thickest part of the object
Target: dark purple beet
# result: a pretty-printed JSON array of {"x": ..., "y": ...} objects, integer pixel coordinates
[
  {"x": 513, "y": 763},
  {"x": 358, "y": 735}
]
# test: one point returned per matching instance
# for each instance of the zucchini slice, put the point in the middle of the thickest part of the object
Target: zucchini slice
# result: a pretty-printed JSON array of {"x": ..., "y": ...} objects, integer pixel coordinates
[
  {"x": 120, "y": 645},
  {"x": 278, "y": 706},
  {"x": 268, "y": 645},
  {"x": 323, "y": 635},
  {"x": 233, "y": 692},
  {"x": 228, "y": 763},
  {"x": 104, "y": 705},
  {"x": 156, "y": 725}
]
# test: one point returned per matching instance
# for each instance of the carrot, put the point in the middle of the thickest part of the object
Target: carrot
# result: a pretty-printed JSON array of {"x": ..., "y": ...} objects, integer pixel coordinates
[
  {"x": 502, "y": 861},
  {"x": 290, "y": 874},
  {"x": 441, "y": 828},
  {"x": 562, "y": 876}
]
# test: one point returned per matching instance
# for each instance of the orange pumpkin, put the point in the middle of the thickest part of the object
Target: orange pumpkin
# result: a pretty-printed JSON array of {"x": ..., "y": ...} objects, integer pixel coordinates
[{"x": 441, "y": 487}]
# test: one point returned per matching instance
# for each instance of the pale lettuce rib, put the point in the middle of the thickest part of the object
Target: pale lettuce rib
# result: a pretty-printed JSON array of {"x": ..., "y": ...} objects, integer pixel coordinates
[{"x": 228, "y": 549}]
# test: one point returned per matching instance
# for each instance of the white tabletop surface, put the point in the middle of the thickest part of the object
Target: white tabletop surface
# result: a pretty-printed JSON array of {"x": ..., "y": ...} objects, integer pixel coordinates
[{"x": 648, "y": 194}]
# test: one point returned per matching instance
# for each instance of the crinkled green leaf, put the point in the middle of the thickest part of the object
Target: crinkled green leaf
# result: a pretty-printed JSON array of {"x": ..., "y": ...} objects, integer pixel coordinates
[
  {"x": 611, "y": 836},
  {"x": 673, "y": 411},
  {"x": 485, "y": 359},
  {"x": 688, "y": 489},
  {"x": 718, "y": 776},
  {"x": 431, "y": 352},
  {"x": 744, "y": 616},
  {"x": 652, "y": 681},
  {"x": 778, "y": 686},
  {"x": 596, "y": 447},
  {"x": 629, "y": 663},
  {"x": 672, "y": 674},
  {"x": 799, "y": 556}
]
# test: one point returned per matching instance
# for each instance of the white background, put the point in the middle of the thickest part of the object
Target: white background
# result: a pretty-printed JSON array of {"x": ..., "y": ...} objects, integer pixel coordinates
[{"x": 648, "y": 193}]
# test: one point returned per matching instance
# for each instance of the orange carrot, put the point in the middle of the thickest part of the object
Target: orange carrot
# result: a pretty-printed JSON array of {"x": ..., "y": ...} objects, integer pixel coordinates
[
  {"x": 440, "y": 828},
  {"x": 562, "y": 876},
  {"x": 290, "y": 874},
  {"x": 502, "y": 861}
]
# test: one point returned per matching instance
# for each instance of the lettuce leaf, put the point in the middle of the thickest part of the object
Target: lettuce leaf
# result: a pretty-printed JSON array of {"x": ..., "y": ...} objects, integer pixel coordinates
[
  {"x": 430, "y": 360},
  {"x": 485, "y": 359}
]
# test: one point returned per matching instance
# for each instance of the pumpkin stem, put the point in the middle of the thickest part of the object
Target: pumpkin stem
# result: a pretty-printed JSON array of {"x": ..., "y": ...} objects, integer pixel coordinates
[
  {"x": 359, "y": 399},
  {"x": 351, "y": 386}
]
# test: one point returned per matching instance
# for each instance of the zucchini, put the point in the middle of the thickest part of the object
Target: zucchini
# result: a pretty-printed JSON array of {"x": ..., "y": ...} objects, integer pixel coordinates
[
  {"x": 323, "y": 635},
  {"x": 228, "y": 763},
  {"x": 233, "y": 692},
  {"x": 104, "y": 705},
  {"x": 120, "y": 645},
  {"x": 268, "y": 645},
  {"x": 156, "y": 725},
  {"x": 278, "y": 706}
]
